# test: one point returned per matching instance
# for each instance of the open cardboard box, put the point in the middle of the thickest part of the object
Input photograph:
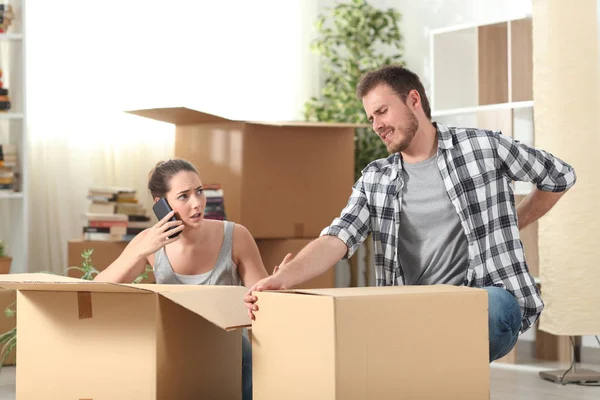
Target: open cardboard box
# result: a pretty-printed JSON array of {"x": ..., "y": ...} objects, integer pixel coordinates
[
  {"x": 280, "y": 179},
  {"x": 80, "y": 339},
  {"x": 413, "y": 342}
]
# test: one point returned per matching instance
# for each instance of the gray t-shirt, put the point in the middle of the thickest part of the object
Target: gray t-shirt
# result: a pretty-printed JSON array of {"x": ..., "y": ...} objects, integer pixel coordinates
[
  {"x": 432, "y": 247},
  {"x": 224, "y": 273}
]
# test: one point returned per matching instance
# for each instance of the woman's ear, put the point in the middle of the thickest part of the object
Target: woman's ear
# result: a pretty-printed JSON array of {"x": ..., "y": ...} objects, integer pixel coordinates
[{"x": 156, "y": 199}]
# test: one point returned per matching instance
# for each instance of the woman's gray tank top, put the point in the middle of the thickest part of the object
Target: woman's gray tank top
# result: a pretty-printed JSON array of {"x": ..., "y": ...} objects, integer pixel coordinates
[{"x": 224, "y": 273}]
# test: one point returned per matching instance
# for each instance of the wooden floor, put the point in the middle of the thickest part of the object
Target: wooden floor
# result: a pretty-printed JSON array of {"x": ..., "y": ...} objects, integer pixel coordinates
[
  {"x": 507, "y": 383},
  {"x": 520, "y": 382}
]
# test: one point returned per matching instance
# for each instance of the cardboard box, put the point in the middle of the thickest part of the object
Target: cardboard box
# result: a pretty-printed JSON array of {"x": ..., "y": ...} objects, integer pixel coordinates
[
  {"x": 272, "y": 252},
  {"x": 280, "y": 180},
  {"x": 105, "y": 252},
  {"x": 413, "y": 342},
  {"x": 80, "y": 339}
]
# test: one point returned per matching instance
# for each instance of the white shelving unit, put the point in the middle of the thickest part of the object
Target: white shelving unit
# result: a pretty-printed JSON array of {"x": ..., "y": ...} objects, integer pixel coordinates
[
  {"x": 13, "y": 129},
  {"x": 482, "y": 78}
]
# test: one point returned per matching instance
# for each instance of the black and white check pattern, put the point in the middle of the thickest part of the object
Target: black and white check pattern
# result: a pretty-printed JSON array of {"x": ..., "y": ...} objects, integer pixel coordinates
[{"x": 477, "y": 167}]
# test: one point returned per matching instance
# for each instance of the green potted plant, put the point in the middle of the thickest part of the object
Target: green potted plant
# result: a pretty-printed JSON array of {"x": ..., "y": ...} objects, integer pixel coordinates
[
  {"x": 8, "y": 340},
  {"x": 88, "y": 272},
  {"x": 353, "y": 38},
  {"x": 5, "y": 261}
]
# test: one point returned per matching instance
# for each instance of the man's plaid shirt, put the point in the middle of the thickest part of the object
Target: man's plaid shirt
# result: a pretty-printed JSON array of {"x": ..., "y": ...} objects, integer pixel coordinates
[{"x": 477, "y": 167}]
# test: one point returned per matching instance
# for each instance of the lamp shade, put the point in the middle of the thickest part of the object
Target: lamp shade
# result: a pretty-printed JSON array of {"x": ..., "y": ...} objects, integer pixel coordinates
[{"x": 566, "y": 88}]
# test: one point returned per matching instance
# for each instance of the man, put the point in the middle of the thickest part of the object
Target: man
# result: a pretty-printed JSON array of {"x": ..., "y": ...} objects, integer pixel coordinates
[{"x": 440, "y": 208}]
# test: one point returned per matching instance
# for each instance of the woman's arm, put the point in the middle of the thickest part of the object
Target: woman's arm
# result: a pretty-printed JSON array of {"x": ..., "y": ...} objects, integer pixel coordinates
[
  {"x": 129, "y": 265},
  {"x": 246, "y": 256},
  {"x": 132, "y": 261}
]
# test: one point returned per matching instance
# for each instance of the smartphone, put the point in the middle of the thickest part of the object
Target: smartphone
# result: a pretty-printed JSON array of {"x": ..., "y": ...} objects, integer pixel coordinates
[{"x": 161, "y": 209}]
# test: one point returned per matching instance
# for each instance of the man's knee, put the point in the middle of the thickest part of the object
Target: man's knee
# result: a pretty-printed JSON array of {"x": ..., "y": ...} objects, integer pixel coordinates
[
  {"x": 504, "y": 311},
  {"x": 504, "y": 321}
]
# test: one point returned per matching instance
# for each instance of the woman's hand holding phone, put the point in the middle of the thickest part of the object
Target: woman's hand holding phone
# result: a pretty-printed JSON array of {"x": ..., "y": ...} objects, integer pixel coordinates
[{"x": 158, "y": 236}]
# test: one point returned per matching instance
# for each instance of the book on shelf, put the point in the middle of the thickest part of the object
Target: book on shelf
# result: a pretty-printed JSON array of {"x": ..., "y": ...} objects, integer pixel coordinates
[
  {"x": 7, "y": 16},
  {"x": 215, "y": 206},
  {"x": 8, "y": 168},
  {"x": 5, "y": 104},
  {"x": 114, "y": 214}
]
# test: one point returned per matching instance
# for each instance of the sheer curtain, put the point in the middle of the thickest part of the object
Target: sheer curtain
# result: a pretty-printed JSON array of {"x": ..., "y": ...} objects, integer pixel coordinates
[
  {"x": 86, "y": 65},
  {"x": 79, "y": 136}
]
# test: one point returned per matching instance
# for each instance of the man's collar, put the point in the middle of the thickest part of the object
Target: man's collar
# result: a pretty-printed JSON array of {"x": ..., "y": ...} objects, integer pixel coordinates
[{"x": 445, "y": 141}]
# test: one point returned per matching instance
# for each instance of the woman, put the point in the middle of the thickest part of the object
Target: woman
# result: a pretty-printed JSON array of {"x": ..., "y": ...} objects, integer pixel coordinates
[{"x": 206, "y": 252}]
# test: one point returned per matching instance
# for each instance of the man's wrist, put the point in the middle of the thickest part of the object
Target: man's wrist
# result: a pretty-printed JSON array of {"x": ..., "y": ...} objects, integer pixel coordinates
[{"x": 286, "y": 277}]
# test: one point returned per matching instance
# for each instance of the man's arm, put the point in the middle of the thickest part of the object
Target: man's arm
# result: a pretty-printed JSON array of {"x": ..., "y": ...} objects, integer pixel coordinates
[
  {"x": 337, "y": 241},
  {"x": 551, "y": 176},
  {"x": 313, "y": 260},
  {"x": 535, "y": 205}
]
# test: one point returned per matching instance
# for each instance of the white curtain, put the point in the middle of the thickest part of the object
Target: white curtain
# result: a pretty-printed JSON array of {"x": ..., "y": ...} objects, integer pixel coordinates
[
  {"x": 78, "y": 135},
  {"x": 87, "y": 63}
]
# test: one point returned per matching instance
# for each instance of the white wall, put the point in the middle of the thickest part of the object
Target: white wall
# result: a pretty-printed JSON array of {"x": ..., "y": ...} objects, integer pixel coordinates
[
  {"x": 238, "y": 58},
  {"x": 235, "y": 57}
]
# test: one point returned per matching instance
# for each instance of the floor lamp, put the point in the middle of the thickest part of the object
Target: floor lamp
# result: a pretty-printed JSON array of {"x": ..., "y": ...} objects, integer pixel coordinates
[
  {"x": 568, "y": 253},
  {"x": 573, "y": 374}
]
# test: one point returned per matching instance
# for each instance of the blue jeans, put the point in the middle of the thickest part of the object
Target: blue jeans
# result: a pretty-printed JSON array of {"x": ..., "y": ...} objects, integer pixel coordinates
[
  {"x": 246, "y": 368},
  {"x": 504, "y": 321}
]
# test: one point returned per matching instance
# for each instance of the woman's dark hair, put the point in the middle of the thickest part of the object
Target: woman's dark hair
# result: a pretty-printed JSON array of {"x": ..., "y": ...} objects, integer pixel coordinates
[{"x": 159, "y": 179}]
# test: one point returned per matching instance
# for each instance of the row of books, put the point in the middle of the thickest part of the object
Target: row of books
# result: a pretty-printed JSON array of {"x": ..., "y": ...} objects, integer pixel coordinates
[
  {"x": 8, "y": 167},
  {"x": 5, "y": 103},
  {"x": 215, "y": 205},
  {"x": 115, "y": 213},
  {"x": 7, "y": 16}
]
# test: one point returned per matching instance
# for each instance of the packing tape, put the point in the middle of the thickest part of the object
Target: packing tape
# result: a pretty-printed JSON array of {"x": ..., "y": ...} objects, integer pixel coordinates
[
  {"x": 84, "y": 305},
  {"x": 299, "y": 230}
]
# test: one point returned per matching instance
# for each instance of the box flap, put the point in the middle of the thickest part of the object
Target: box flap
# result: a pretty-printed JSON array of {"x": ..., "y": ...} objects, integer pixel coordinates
[
  {"x": 57, "y": 283},
  {"x": 221, "y": 305},
  {"x": 186, "y": 116},
  {"x": 382, "y": 290},
  {"x": 310, "y": 124},
  {"x": 179, "y": 115}
]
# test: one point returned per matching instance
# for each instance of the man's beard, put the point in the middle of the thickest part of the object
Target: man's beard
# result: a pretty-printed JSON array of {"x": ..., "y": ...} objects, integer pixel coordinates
[{"x": 409, "y": 132}]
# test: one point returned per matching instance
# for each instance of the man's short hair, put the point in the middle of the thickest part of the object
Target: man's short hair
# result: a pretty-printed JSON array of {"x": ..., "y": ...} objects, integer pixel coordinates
[{"x": 400, "y": 79}]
